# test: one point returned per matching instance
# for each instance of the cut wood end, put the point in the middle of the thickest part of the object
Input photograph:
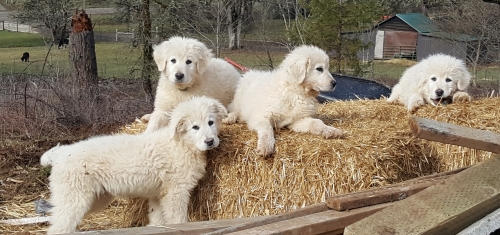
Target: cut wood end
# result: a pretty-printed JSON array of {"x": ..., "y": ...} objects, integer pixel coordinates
[{"x": 414, "y": 125}]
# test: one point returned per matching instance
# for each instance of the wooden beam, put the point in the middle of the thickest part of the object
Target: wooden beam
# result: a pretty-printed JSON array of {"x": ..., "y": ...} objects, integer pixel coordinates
[
  {"x": 445, "y": 208},
  {"x": 457, "y": 135},
  {"x": 329, "y": 222},
  {"x": 388, "y": 193},
  {"x": 277, "y": 218}
]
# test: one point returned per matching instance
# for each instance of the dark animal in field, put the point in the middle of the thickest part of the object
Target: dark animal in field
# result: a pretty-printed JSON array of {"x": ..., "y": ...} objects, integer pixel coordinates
[
  {"x": 26, "y": 57},
  {"x": 63, "y": 42}
]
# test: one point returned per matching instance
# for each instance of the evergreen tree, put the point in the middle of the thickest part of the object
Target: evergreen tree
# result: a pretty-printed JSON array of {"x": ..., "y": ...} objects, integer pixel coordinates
[{"x": 335, "y": 26}]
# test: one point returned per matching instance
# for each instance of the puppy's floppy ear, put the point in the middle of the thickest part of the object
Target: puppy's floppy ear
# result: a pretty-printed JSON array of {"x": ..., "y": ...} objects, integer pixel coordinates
[
  {"x": 204, "y": 56},
  {"x": 220, "y": 109},
  {"x": 160, "y": 56},
  {"x": 463, "y": 77},
  {"x": 299, "y": 69},
  {"x": 177, "y": 126}
]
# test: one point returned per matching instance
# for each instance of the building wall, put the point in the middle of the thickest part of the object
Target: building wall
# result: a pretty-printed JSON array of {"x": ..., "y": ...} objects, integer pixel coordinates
[
  {"x": 430, "y": 45},
  {"x": 367, "y": 37}
]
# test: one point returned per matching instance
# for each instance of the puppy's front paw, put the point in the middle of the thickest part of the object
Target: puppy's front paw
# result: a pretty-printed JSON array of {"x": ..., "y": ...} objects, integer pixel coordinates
[
  {"x": 461, "y": 97},
  {"x": 230, "y": 119},
  {"x": 265, "y": 148},
  {"x": 331, "y": 132}
]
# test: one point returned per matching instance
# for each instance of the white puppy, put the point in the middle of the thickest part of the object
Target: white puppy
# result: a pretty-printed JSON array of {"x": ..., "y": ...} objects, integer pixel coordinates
[
  {"x": 162, "y": 166},
  {"x": 187, "y": 69},
  {"x": 285, "y": 97},
  {"x": 437, "y": 79}
]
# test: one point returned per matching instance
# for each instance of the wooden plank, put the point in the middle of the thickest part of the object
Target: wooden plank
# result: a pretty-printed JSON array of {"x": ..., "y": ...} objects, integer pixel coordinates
[
  {"x": 445, "y": 208},
  {"x": 385, "y": 194},
  {"x": 457, "y": 135},
  {"x": 484, "y": 226},
  {"x": 284, "y": 216},
  {"x": 174, "y": 229},
  {"x": 326, "y": 222}
]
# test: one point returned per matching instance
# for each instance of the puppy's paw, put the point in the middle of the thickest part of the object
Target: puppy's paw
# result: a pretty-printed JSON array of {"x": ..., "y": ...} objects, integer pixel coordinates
[
  {"x": 230, "y": 119},
  {"x": 461, "y": 97},
  {"x": 331, "y": 132},
  {"x": 145, "y": 118},
  {"x": 414, "y": 103},
  {"x": 265, "y": 148}
]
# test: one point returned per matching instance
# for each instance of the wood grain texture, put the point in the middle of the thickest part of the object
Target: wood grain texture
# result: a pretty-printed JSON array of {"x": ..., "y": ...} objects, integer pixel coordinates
[{"x": 453, "y": 134}]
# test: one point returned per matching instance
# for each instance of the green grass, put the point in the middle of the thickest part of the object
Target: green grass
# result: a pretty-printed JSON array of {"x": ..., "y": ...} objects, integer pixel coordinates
[
  {"x": 17, "y": 39},
  {"x": 108, "y": 24},
  {"x": 113, "y": 60}
]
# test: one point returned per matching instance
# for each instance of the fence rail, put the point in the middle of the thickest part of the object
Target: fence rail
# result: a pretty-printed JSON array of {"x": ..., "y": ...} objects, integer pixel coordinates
[
  {"x": 409, "y": 52},
  {"x": 16, "y": 27}
]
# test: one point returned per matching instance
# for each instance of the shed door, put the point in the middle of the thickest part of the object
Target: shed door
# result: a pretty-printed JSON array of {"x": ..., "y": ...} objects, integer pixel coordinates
[
  {"x": 399, "y": 43},
  {"x": 379, "y": 45}
]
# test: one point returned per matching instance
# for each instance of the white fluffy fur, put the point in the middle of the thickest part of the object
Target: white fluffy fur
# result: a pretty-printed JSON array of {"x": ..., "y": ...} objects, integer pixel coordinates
[
  {"x": 423, "y": 82},
  {"x": 285, "y": 97},
  {"x": 201, "y": 75},
  {"x": 162, "y": 166}
]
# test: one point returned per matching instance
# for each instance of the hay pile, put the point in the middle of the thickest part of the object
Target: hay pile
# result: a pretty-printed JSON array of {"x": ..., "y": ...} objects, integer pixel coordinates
[{"x": 378, "y": 149}]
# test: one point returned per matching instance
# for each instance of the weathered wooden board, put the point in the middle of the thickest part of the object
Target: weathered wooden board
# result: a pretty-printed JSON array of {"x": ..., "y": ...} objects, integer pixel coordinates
[
  {"x": 173, "y": 229},
  {"x": 385, "y": 194},
  {"x": 445, "y": 208},
  {"x": 263, "y": 221},
  {"x": 326, "y": 222},
  {"x": 485, "y": 226},
  {"x": 457, "y": 135}
]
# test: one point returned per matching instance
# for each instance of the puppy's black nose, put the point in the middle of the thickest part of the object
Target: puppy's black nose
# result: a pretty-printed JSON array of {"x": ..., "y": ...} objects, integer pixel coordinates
[
  {"x": 179, "y": 76},
  {"x": 439, "y": 92},
  {"x": 334, "y": 83},
  {"x": 209, "y": 142}
]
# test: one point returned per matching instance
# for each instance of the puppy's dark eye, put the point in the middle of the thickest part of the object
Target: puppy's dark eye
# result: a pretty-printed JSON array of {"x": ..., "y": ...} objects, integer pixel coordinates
[
  {"x": 196, "y": 127},
  {"x": 173, "y": 61},
  {"x": 319, "y": 69},
  {"x": 210, "y": 123},
  {"x": 189, "y": 61},
  {"x": 433, "y": 79},
  {"x": 448, "y": 80}
]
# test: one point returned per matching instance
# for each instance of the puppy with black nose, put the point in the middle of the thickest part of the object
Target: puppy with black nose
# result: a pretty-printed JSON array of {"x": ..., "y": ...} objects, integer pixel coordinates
[{"x": 438, "y": 79}]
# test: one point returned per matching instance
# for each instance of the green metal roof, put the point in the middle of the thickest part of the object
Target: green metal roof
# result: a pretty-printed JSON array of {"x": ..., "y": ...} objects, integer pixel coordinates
[{"x": 419, "y": 22}]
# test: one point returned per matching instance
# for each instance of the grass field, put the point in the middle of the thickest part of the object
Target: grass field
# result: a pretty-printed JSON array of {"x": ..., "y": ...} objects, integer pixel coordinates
[
  {"x": 113, "y": 60},
  {"x": 17, "y": 39}
]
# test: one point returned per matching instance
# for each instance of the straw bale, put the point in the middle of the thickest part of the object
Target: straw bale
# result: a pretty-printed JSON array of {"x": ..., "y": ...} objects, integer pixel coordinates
[{"x": 378, "y": 149}]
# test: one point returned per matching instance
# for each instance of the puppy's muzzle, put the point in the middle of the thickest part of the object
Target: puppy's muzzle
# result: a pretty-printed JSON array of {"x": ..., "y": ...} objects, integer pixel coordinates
[
  {"x": 179, "y": 77},
  {"x": 209, "y": 142},
  {"x": 439, "y": 92}
]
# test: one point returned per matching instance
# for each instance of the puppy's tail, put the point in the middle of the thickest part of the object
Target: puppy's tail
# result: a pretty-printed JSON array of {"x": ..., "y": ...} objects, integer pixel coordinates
[{"x": 49, "y": 157}]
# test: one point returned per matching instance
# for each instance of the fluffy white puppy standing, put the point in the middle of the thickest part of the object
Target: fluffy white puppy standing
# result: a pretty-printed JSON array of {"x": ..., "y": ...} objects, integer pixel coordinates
[
  {"x": 163, "y": 166},
  {"x": 437, "y": 79},
  {"x": 285, "y": 97},
  {"x": 187, "y": 69}
]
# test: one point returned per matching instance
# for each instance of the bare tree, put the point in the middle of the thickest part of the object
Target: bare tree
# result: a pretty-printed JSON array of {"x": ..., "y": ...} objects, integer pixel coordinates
[
  {"x": 477, "y": 22},
  {"x": 82, "y": 54},
  {"x": 53, "y": 15},
  {"x": 238, "y": 13}
]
